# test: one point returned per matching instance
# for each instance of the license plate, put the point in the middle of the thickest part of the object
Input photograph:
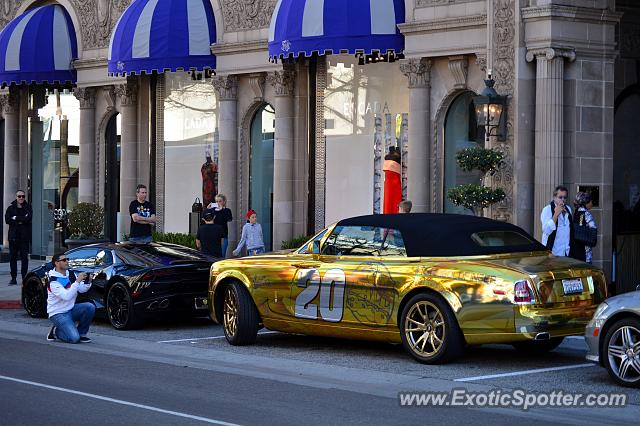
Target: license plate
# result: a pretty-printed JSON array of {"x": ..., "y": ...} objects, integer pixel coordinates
[
  {"x": 200, "y": 303},
  {"x": 572, "y": 286}
]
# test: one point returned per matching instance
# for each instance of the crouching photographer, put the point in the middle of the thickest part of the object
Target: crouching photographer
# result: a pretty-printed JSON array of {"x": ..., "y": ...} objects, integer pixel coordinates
[{"x": 63, "y": 288}]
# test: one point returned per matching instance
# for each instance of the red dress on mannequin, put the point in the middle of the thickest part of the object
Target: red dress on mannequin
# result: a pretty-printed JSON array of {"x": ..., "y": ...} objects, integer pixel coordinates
[{"x": 392, "y": 181}]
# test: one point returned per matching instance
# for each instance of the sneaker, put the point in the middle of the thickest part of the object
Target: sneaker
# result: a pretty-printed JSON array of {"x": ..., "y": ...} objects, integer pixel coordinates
[
  {"x": 52, "y": 334},
  {"x": 85, "y": 339},
  {"x": 13, "y": 282}
]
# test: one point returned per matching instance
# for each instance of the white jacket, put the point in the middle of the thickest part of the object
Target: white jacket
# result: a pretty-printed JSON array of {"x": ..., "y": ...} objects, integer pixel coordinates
[{"x": 62, "y": 293}]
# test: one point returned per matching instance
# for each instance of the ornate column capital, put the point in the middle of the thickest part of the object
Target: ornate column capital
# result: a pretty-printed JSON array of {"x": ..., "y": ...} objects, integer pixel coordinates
[
  {"x": 549, "y": 53},
  {"x": 226, "y": 87},
  {"x": 283, "y": 81},
  {"x": 86, "y": 96},
  {"x": 418, "y": 71},
  {"x": 127, "y": 92},
  {"x": 10, "y": 103}
]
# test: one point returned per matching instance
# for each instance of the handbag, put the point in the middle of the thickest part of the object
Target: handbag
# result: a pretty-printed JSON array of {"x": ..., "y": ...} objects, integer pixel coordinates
[
  {"x": 583, "y": 234},
  {"x": 196, "y": 207}
]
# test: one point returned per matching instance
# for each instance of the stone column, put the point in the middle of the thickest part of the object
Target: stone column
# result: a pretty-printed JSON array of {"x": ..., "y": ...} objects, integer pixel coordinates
[
  {"x": 128, "y": 95},
  {"x": 283, "y": 83},
  {"x": 11, "y": 108},
  {"x": 549, "y": 125},
  {"x": 418, "y": 71},
  {"x": 227, "y": 90},
  {"x": 87, "y": 167}
]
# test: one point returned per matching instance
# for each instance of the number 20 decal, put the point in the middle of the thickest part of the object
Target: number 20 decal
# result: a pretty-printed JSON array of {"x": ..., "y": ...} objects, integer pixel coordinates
[{"x": 331, "y": 288}]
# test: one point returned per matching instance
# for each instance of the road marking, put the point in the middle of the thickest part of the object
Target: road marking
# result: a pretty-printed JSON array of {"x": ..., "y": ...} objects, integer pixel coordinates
[
  {"x": 119, "y": 401},
  {"x": 207, "y": 338},
  {"x": 521, "y": 373}
]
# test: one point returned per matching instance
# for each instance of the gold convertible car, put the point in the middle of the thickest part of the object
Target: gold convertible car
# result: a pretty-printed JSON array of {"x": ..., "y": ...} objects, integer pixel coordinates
[{"x": 435, "y": 282}]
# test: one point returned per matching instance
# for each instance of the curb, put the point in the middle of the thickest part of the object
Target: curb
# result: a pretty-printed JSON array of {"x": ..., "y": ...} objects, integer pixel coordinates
[{"x": 10, "y": 304}]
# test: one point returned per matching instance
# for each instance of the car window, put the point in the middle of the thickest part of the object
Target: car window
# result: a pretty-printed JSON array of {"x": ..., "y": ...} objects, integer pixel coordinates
[
  {"x": 83, "y": 258},
  {"x": 104, "y": 258},
  {"x": 364, "y": 241},
  {"x": 166, "y": 254},
  {"x": 305, "y": 247},
  {"x": 500, "y": 239}
]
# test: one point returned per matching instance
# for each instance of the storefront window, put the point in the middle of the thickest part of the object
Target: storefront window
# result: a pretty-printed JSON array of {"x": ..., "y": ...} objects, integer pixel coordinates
[
  {"x": 191, "y": 147},
  {"x": 459, "y": 133},
  {"x": 55, "y": 142},
  {"x": 366, "y": 113}
]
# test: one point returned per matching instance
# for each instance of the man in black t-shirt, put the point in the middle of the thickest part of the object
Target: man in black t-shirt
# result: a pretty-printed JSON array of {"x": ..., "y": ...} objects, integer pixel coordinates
[
  {"x": 143, "y": 217},
  {"x": 209, "y": 238}
]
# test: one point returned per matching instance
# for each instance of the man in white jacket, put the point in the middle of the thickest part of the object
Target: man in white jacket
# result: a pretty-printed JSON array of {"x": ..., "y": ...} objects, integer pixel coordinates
[
  {"x": 63, "y": 311},
  {"x": 556, "y": 218}
]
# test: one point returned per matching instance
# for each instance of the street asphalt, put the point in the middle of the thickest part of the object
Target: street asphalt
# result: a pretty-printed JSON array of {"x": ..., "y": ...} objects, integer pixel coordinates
[{"x": 185, "y": 372}]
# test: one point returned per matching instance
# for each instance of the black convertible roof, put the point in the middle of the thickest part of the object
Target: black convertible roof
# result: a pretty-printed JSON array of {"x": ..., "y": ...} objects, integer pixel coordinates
[{"x": 441, "y": 235}]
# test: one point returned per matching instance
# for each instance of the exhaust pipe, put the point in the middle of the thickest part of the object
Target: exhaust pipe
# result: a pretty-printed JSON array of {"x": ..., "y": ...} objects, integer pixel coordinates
[
  {"x": 164, "y": 304},
  {"x": 542, "y": 336},
  {"x": 153, "y": 306}
]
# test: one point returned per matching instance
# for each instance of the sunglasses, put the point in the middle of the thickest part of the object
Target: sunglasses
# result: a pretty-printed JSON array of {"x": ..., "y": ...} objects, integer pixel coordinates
[
  {"x": 562, "y": 198},
  {"x": 63, "y": 260},
  {"x": 19, "y": 196}
]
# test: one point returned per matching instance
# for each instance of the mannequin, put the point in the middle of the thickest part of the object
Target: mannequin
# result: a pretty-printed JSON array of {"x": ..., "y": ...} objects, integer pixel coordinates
[
  {"x": 392, "y": 180},
  {"x": 209, "y": 170}
]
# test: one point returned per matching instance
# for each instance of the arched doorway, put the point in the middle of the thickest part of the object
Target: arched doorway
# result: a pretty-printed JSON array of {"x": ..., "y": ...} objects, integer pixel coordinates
[
  {"x": 112, "y": 177},
  {"x": 460, "y": 132},
  {"x": 626, "y": 190},
  {"x": 261, "y": 170}
]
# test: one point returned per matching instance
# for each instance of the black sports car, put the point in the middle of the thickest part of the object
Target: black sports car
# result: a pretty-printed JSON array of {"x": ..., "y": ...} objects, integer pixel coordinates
[{"x": 131, "y": 282}]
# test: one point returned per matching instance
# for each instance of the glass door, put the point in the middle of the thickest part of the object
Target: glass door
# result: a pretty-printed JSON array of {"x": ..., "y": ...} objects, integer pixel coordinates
[
  {"x": 54, "y": 140},
  {"x": 261, "y": 171}
]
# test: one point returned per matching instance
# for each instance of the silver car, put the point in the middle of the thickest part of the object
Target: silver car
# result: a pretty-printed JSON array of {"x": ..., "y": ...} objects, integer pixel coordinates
[{"x": 613, "y": 337}]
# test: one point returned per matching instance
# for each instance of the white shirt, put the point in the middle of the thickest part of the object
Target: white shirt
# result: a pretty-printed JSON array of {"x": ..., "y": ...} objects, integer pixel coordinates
[
  {"x": 562, "y": 242},
  {"x": 62, "y": 293}
]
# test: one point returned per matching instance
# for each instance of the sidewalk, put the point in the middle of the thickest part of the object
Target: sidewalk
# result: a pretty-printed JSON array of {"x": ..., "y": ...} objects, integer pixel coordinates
[{"x": 10, "y": 294}]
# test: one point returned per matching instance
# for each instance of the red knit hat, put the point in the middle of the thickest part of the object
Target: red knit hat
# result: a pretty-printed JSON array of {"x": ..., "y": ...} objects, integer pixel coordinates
[{"x": 250, "y": 213}]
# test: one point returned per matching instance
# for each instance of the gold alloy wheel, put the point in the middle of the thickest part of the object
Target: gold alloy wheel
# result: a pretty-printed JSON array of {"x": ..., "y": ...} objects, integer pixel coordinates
[
  {"x": 424, "y": 328},
  {"x": 230, "y": 312}
]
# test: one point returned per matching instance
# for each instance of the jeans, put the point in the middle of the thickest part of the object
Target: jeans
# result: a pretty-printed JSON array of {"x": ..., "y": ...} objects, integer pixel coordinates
[
  {"x": 148, "y": 239},
  {"x": 225, "y": 245},
  {"x": 22, "y": 247},
  {"x": 66, "y": 330},
  {"x": 255, "y": 251}
]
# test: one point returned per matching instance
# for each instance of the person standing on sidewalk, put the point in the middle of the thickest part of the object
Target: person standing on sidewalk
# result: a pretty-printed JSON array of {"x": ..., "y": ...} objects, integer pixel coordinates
[
  {"x": 251, "y": 236},
  {"x": 18, "y": 217},
  {"x": 143, "y": 217},
  {"x": 209, "y": 238},
  {"x": 222, "y": 216},
  {"x": 63, "y": 288},
  {"x": 556, "y": 218}
]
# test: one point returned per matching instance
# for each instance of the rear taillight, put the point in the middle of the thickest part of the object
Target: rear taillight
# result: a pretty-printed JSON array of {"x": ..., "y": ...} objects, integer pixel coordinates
[{"x": 523, "y": 293}]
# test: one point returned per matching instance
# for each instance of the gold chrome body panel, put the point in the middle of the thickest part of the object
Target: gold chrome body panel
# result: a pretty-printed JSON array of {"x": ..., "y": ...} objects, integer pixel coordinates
[{"x": 363, "y": 297}]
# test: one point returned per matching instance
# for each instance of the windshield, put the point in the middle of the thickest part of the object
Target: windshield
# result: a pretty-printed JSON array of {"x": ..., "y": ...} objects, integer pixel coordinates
[{"x": 163, "y": 254}]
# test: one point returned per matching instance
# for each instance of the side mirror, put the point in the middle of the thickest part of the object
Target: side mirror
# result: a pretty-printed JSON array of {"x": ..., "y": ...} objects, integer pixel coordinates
[
  {"x": 638, "y": 287},
  {"x": 316, "y": 247}
]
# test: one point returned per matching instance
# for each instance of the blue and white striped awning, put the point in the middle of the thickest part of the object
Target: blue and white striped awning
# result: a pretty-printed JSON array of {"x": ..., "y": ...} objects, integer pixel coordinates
[
  {"x": 38, "y": 47},
  {"x": 163, "y": 35},
  {"x": 304, "y": 27}
]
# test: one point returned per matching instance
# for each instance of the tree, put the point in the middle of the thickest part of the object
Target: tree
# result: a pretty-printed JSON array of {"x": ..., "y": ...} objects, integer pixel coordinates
[{"x": 476, "y": 197}]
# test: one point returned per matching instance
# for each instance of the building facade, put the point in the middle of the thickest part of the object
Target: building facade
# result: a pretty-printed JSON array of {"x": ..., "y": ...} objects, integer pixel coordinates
[{"x": 291, "y": 114}]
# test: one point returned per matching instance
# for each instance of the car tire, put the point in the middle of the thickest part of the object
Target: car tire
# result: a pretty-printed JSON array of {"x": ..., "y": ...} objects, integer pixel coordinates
[
  {"x": 538, "y": 346},
  {"x": 615, "y": 352},
  {"x": 120, "y": 310},
  {"x": 240, "y": 318},
  {"x": 420, "y": 334},
  {"x": 34, "y": 298}
]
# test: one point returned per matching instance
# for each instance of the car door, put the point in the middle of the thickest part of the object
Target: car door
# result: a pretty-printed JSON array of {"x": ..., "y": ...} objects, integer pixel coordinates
[{"x": 345, "y": 288}]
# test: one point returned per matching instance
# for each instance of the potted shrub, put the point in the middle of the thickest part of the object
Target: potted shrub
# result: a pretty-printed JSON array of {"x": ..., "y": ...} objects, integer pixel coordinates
[
  {"x": 477, "y": 197},
  {"x": 86, "y": 225}
]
